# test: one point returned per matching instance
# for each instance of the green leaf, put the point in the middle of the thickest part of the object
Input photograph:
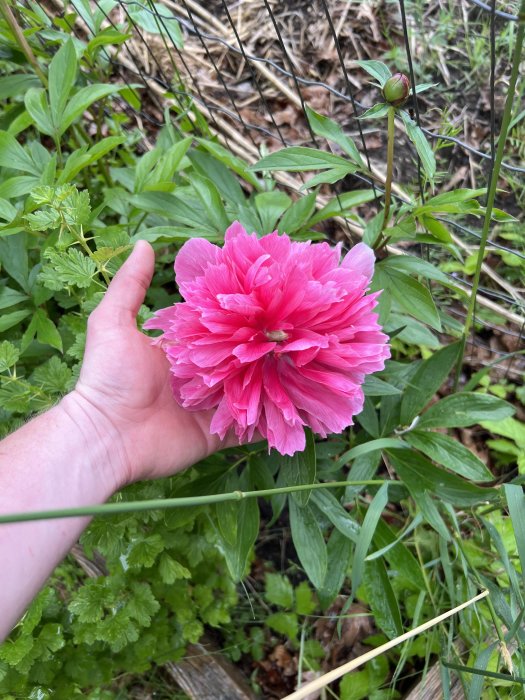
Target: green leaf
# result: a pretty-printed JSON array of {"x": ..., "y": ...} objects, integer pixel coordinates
[
  {"x": 212, "y": 202},
  {"x": 462, "y": 194},
  {"x": 171, "y": 570},
  {"x": 172, "y": 234},
  {"x": 334, "y": 511},
  {"x": 247, "y": 530},
  {"x": 382, "y": 599},
  {"x": 323, "y": 126},
  {"x": 144, "y": 551},
  {"x": 329, "y": 176},
  {"x": 53, "y": 376},
  {"x": 450, "y": 453},
  {"x": 12, "y": 319},
  {"x": 412, "y": 265},
  {"x": 377, "y": 70},
  {"x": 366, "y": 534},
  {"x": 61, "y": 77},
  {"x": 83, "y": 99},
  {"x": 339, "y": 549},
  {"x": 464, "y": 409},
  {"x": 412, "y": 296},
  {"x": 300, "y": 469},
  {"x": 423, "y": 148},
  {"x": 296, "y": 216},
  {"x": 69, "y": 268},
  {"x": 38, "y": 108},
  {"x": 341, "y": 205},
  {"x": 11, "y": 297},
  {"x": 415, "y": 470},
  {"x": 270, "y": 206},
  {"x": 304, "y": 600},
  {"x": 278, "y": 590},
  {"x": 284, "y": 623},
  {"x": 299, "y": 158},
  {"x": 8, "y": 355},
  {"x": 376, "y": 112},
  {"x": 402, "y": 563},
  {"x": 232, "y": 162},
  {"x": 17, "y": 84},
  {"x": 82, "y": 158},
  {"x": 158, "y": 19},
  {"x": 13, "y": 155},
  {"x": 374, "y": 386},
  {"x": 308, "y": 542},
  {"x": 516, "y": 503},
  {"x": 46, "y": 331},
  {"x": 426, "y": 381}
]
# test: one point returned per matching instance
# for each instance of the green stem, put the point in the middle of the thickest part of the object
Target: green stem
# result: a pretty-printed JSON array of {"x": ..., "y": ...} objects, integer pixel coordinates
[
  {"x": 507, "y": 113},
  {"x": 165, "y": 503},
  {"x": 389, "y": 173},
  {"x": 21, "y": 40}
]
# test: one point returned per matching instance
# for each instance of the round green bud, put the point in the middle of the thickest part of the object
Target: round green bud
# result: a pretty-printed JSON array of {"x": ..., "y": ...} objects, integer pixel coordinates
[{"x": 396, "y": 89}]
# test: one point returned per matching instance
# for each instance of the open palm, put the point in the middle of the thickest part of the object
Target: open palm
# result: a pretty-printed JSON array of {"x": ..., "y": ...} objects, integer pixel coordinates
[{"x": 127, "y": 382}]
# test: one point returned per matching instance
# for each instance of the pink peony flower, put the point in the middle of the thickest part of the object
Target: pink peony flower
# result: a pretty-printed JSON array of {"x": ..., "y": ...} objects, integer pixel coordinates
[{"x": 273, "y": 334}]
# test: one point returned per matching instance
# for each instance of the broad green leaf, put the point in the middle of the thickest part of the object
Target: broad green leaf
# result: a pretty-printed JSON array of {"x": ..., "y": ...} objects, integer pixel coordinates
[
  {"x": 81, "y": 158},
  {"x": 422, "y": 87},
  {"x": 450, "y": 453},
  {"x": 17, "y": 84},
  {"x": 411, "y": 295},
  {"x": 46, "y": 331},
  {"x": 83, "y": 99},
  {"x": 366, "y": 534},
  {"x": 223, "y": 178},
  {"x": 411, "y": 331},
  {"x": 423, "y": 148},
  {"x": 300, "y": 469},
  {"x": 107, "y": 37},
  {"x": 426, "y": 381},
  {"x": 278, "y": 590},
  {"x": 374, "y": 386},
  {"x": 11, "y": 297},
  {"x": 336, "y": 514},
  {"x": 376, "y": 112},
  {"x": 9, "y": 355},
  {"x": 464, "y": 409},
  {"x": 436, "y": 228},
  {"x": 296, "y": 216},
  {"x": 299, "y": 158},
  {"x": 377, "y": 70},
  {"x": 323, "y": 126},
  {"x": 363, "y": 468},
  {"x": 516, "y": 503},
  {"x": 61, "y": 76},
  {"x": 339, "y": 549},
  {"x": 368, "y": 418},
  {"x": 284, "y": 623},
  {"x": 462, "y": 194},
  {"x": 232, "y": 162},
  {"x": 36, "y": 104},
  {"x": 157, "y": 19},
  {"x": 14, "y": 260},
  {"x": 165, "y": 168},
  {"x": 12, "y": 319},
  {"x": 308, "y": 542},
  {"x": 13, "y": 155},
  {"x": 211, "y": 201},
  {"x": 270, "y": 206},
  {"x": 329, "y": 176},
  {"x": 247, "y": 531},
  {"x": 367, "y": 447},
  {"x": 382, "y": 599},
  {"x": 415, "y": 470},
  {"x": 70, "y": 268},
  {"x": 402, "y": 563},
  {"x": 341, "y": 205}
]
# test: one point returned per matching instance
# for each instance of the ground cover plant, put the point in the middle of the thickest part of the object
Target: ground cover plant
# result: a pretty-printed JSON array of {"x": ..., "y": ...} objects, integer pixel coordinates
[{"x": 357, "y": 539}]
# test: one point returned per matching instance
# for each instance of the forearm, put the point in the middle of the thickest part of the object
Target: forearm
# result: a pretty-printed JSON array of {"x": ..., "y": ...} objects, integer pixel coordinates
[{"x": 65, "y": 457}]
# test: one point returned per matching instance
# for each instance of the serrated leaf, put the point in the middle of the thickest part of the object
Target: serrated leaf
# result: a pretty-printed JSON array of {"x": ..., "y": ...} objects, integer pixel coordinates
[
  {"x": 9, "y": 355},
  {"x": 53, "y": 376},
  {"x": 464, "y": 409},
  {"x": 71, "y": 267},
  {"x": 278, "y": 590}
]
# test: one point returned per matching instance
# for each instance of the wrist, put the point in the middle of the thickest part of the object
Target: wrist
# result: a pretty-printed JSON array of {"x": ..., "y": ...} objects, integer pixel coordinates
[{"x": 98, "y": 439}]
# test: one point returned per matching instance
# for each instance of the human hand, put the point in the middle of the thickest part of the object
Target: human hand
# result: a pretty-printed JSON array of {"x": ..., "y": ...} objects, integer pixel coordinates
[{"x": 124, "y": 386}]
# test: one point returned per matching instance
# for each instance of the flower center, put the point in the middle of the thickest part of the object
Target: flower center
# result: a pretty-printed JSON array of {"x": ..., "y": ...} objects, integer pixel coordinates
[{"x": 276, "y": 336}]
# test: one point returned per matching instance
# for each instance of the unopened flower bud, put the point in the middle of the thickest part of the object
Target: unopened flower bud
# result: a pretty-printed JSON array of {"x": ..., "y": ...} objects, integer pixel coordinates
[{"x": 396, "y": 89}]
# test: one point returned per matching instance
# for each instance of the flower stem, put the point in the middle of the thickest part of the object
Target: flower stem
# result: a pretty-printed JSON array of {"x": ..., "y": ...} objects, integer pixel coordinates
[
  {"x": 165, "y": 503},
  {"x": 493, "y": 183},
  {"x": 389, "y": 173}
]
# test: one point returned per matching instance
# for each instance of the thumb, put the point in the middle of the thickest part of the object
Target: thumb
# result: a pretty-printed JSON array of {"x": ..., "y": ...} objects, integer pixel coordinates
[{"x": 128, "y": 288}]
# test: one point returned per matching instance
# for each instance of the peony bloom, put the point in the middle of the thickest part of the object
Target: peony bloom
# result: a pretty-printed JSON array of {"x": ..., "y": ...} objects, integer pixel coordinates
[{"x": 274, "y": 335}]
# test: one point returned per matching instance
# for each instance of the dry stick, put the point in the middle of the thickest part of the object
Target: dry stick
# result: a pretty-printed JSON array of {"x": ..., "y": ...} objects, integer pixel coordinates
[
  {"x": 21, "y": 40},
  {"x": 323, "y": 681}
]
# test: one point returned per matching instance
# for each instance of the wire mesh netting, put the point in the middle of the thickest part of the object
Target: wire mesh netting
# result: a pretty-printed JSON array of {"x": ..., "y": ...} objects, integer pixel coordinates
[{"x": 246, "y": 71}]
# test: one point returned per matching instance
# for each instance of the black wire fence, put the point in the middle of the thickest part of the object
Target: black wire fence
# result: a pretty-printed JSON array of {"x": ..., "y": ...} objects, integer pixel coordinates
[{"x": 250, "y": 68}]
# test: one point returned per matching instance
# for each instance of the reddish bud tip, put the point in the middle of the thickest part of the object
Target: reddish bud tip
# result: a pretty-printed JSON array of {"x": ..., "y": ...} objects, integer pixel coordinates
[{"x": 396, "y": 89}]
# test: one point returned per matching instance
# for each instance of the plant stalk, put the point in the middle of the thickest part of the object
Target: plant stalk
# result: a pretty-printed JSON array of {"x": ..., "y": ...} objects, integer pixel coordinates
[
  {"x": 389, "y": 174},
  {"x": 493, "y": 183},
  {"x": 21, "y": 40},
  {"x": 166, "y": 503}
]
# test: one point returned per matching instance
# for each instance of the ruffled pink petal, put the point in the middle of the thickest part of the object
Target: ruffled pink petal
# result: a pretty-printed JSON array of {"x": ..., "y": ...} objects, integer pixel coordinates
[
  {"x": 192, "y": 259},
  {"x": 360, "y": 259}
]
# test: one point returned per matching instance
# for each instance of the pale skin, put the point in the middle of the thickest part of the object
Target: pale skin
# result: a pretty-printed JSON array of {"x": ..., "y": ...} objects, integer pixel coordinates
[{"x": 120, "y": 424}]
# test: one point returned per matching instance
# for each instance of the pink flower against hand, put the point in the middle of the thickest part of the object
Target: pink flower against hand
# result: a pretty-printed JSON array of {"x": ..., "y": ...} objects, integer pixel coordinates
[{"x": 275, "y": 335}]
